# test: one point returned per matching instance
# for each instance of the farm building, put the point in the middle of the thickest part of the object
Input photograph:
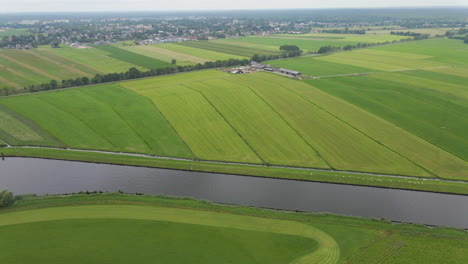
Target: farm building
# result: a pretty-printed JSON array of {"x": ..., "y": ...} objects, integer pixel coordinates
[{"x": 289, "y": 72}]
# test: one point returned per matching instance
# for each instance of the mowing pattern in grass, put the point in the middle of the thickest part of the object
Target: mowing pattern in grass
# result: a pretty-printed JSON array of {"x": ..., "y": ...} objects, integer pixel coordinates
[
  {"x": 160, "y": 242},
  {"x": 143, "y": 118},
  {"x": 261, "y": 127},
  {"x": 20, "y": 68},
  {"x": 344, "y": 147},
  {"x": 428, "y": 113},
  {"x": 200, "y": 125},
  {"x": 16, "y": 128},
  {"x": 326, "y": 248},
  {"x": 94, "y": 58},
  {"x": 164, "y": 54},
  {"x": 226, "y": 48},
  {"x": 133, "y": 58}
]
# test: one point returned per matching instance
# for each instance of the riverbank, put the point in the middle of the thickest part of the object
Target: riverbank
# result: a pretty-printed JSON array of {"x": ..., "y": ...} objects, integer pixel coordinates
[
  {"x": 395, "y": 182},
  {"x": 347, "y": 239}
]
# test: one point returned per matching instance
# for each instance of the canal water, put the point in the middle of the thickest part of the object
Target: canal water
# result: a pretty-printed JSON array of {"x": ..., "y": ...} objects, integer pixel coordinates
[{"x": 40, "y": 176}]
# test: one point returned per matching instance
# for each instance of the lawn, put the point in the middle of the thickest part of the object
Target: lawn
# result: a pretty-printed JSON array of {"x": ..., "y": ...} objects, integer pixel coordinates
[
  {"x": 172, "y": 230},
  {"x": 133, "y": 58}
]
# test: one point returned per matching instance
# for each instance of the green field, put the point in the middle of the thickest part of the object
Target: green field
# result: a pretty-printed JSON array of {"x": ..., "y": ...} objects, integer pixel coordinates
[
  {"x": 133, "y": 58},
  {"x": 20, "y": 68},
  {"x": 94, "y": 58},
  {"x": 307, "y": 42},
  {"x": 212, "y": 115},
  {"x": 198, "y": 52},
  {"x": 228, "y": 48},
  {"x": 154, "y": 51},
  {"x": 97, "y": 227}
]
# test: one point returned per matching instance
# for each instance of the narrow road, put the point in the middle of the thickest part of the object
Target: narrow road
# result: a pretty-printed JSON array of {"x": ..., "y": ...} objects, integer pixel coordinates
[{"x": 234, "y": 163}]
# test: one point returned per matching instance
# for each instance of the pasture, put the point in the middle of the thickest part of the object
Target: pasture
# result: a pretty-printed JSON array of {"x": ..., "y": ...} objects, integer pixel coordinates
[
  {"x": 197, "y": 52},
  {"x": 133, "y": 58},
  {"x": 213, "y": 115},
  {"x": 242, "y": 51}
]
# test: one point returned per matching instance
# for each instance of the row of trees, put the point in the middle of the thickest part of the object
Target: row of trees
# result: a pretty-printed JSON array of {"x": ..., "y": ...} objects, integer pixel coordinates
[
  {"x": 288, "y": 51},
  {"x": 416, "y": 36},
  {"x": 133, "y": 73}
]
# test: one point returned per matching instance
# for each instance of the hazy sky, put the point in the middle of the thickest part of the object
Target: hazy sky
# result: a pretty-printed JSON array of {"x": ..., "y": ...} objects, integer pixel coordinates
[{"x": 7, "y": 6}]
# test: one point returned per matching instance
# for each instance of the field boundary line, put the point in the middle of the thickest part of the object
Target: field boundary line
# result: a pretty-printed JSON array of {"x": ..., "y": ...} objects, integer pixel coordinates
[
  {"x": 120, "y": 116},
  {"x": 230, "y": 125},
  {"x": 359, "y": 131},
  {"x": 287, "y": 123},
  {"x": 165, "y": 118},
  {"x": 79, "y": 119},
  {"x": 236, "y": 163}
]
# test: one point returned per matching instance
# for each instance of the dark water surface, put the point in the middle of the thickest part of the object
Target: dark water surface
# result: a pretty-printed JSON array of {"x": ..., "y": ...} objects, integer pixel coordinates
[{"x": 26, "y": 175}]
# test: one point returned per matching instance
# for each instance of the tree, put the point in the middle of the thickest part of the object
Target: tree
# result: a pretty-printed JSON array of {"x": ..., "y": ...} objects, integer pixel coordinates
[
  {"x": 173, "y": 61},
  {"x": 55, "y": 44},
  {"x": 53, "y": 84},
  {"x": 289, "y": 47},
  {"x": 6, "y": 198},
  {"x": 466, "y": 39}
]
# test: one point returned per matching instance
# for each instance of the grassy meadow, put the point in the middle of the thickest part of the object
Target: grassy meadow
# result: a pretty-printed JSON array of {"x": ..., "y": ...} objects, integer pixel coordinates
[
  {"x": 185, "y": 230},
  {"x": 212, "y": 115}
]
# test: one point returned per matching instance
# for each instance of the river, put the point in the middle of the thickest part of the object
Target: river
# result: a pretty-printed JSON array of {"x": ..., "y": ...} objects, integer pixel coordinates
[{"x": 41, "y": 176}]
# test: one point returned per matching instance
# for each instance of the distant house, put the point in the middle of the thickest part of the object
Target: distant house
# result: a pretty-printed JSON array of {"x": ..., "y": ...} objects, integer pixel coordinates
[{"x": 289, "y": 72}]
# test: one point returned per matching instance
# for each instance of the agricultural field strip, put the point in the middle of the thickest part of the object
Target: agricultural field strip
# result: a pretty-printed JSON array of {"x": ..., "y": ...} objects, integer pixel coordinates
[
  {"x": 327, "y": 122},
  {"x": 29, "y": 67},
  {"x": 202, "y": 53},
  {"x": 132, "y": 57},
  {"x": 453, "y": 138},
  {"x": 227, "y": 48},
  {"x": 164, "y": 54},
  {"x": 232, "y": 127},
  {"x": 186, "y": 109},
  {"x": 65, "y": 63},
  {"x": 414, "y": 148},
  {"x": 234, "y": 163},
  {"x": 266, "y": 133},
  {"x": 17, "y": 129},
  {"x": 328, "y": 251}
]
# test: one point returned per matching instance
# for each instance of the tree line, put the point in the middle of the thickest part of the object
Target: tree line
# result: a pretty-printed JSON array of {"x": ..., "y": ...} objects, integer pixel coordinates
[
  {"x": 344, "y": 31},
  {"x": 132, "y": 73},
  {"x": 416, "y": 36},
  {"x": 288, "y": 51}
]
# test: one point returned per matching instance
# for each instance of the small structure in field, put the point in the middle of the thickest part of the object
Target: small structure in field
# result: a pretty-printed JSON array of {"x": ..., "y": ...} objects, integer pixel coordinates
[{"x": 289, "y": 72}]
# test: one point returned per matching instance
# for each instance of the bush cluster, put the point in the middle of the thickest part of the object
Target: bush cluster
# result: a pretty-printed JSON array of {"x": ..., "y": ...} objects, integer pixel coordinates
[{"x": 6, "y": 198}]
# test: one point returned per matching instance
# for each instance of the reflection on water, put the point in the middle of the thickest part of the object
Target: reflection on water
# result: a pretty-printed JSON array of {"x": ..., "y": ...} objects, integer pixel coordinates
[{"x": 24, "y": 175}]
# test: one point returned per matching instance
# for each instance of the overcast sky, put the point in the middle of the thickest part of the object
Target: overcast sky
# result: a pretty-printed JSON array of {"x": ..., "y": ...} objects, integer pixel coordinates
[{"x": 9, "y": 6}]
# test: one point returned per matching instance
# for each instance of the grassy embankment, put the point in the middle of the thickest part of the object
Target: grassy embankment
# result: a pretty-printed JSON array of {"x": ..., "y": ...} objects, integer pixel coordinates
[{"x": 186, "y": 230}]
